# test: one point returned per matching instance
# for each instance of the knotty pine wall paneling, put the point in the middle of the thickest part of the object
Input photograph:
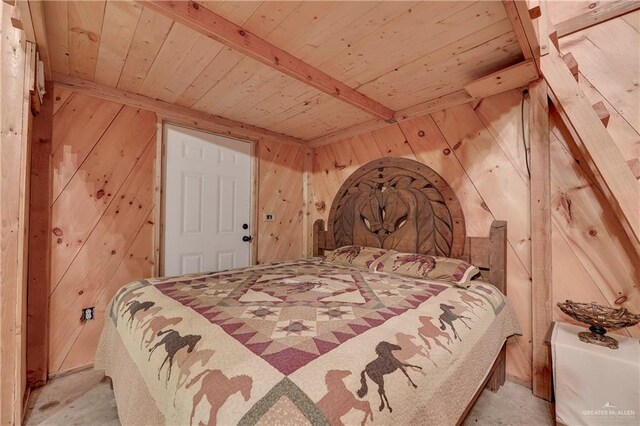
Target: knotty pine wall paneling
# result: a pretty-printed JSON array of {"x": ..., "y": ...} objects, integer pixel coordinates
[
  {"x": 480, "y": 153},
  {"x": 592, "y": 258},
  {"x": 280, "y": 191},
  {"x": 101, "y": 222},
  {"x": 103, "y": 217},
  {"x": 435, "y": 142},
  {"x": 17, "y": 71}
]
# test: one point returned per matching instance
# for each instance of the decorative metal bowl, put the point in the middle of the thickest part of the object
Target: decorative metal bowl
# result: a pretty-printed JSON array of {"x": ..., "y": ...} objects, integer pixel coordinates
[{"x": 598, "y": 317}]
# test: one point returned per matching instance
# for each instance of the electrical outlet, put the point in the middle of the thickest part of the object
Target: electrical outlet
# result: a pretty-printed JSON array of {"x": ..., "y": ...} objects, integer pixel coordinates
[
  {"x": 87, "y": 314},
  {"x": 269, "y": 217}
]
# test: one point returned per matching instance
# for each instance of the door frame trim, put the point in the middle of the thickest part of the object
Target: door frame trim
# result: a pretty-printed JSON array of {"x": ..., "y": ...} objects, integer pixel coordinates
[{"x": 160, "y": 185}]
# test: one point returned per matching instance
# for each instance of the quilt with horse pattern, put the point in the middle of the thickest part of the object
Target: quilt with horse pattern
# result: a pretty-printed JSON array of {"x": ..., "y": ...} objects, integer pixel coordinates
[{"x": 300, "y": 342}]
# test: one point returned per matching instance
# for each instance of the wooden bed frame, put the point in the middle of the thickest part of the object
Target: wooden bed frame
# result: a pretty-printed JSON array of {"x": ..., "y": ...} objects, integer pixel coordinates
[{"x": 401, "y": 204}]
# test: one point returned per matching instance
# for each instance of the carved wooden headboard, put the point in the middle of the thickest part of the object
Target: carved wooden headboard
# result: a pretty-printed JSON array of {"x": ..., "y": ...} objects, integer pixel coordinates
[{"x": 401, "y": 204}]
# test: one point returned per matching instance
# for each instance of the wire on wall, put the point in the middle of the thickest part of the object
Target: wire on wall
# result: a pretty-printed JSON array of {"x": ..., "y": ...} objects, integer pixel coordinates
[{"x": 525, "y": 92}]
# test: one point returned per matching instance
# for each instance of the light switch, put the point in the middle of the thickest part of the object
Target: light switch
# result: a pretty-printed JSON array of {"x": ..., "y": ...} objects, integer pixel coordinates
[{"x": 269, "y": 217}]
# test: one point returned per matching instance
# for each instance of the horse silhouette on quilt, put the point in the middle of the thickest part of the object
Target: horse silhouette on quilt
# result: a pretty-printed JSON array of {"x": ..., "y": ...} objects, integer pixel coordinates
[{"x": 385, "y": 364}]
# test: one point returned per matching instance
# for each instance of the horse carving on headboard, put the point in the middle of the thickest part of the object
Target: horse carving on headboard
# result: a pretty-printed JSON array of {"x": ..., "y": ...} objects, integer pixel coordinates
[{"x": 400, "y": 204}]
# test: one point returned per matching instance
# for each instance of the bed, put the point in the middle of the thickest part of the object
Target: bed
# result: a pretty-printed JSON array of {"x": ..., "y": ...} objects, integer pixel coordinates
[{"x": 314, "y": 341}]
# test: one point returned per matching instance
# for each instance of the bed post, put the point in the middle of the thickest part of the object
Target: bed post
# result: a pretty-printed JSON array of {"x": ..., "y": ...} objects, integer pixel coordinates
[
  {"x": 319, "y": 238},
  {"x": 498, "y": 277}
]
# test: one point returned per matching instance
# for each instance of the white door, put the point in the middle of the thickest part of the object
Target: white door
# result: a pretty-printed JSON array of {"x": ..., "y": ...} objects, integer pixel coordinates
[{"x": 207, "y": 202}]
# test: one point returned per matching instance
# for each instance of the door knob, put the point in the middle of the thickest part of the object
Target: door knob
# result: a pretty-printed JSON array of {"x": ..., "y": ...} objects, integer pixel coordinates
[{"x": 247, "y": 238}]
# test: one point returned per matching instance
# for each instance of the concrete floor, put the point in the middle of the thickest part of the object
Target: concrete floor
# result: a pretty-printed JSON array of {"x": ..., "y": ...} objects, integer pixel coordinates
[{"x": 86, "y": 398}]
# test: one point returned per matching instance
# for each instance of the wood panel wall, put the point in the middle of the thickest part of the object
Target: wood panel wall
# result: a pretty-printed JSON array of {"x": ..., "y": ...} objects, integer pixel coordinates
[
  {"x": 280, "y": 191},
  {"x": 102, "y": 215},
  {"x": 17, "y": 77},
  {"x": 480, "y": 153},
  {"x": 455, "y": 144}
]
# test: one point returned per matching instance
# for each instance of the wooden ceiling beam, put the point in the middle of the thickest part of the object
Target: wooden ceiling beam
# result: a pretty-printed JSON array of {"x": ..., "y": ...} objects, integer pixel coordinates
[
  {"x": 612, "y": 172},
  {"x": 605, "y": 11},
  {"x": 349, "y": 132},
  {"x": 214, "y": 26},
  {"x": 509, "y": 78},
  {"x": 515, "y": 76},
  {"x": 443, "y": 102},
  {"x": 518, "y": 14},
  {"x": 173, "y": 113}
]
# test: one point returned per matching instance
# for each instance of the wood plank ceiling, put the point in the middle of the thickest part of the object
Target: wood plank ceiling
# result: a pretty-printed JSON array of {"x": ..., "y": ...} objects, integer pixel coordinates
[{"x": 400, "y": 54}]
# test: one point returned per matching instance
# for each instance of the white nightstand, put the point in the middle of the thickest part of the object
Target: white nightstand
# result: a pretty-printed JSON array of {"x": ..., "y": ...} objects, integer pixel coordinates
[{"x": 595, "y": 385}]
